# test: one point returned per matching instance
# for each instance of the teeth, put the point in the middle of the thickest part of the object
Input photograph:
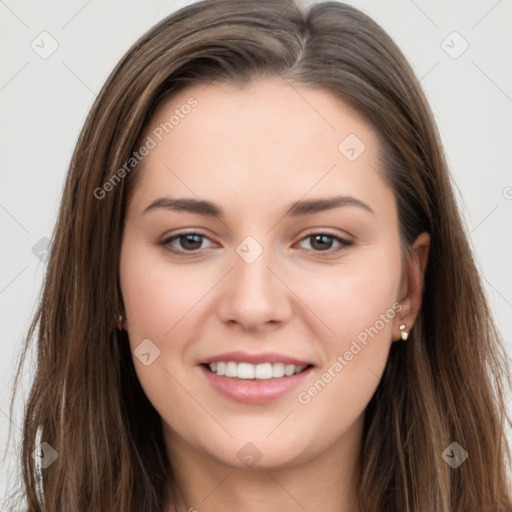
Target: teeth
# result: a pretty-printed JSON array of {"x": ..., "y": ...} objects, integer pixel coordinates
[
  {"x": 245, "y": 371},
  {"x": 278, "y": 370},
  {"x": 289, "y": 369},
  {"x": 262, "y": 371},
  {"x": 231, "y": 369}
]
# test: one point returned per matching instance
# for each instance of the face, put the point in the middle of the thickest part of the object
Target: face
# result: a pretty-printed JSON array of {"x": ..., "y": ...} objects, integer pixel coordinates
[{"x": 255, "y": 285}]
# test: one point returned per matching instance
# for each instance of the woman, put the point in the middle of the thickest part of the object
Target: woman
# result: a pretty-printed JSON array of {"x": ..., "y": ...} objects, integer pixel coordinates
[{"x": 260, "y": 295}]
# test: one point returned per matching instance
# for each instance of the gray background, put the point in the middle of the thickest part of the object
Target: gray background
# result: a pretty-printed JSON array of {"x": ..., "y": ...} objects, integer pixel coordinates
[{"x": 45, "y": 100}]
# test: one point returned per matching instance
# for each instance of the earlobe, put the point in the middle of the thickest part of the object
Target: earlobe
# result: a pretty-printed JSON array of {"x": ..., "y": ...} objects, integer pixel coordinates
[
  {"x": 415, "y": 273},
  {"x": 121, "y": 323},
  {"x": 404, "y": 334}
]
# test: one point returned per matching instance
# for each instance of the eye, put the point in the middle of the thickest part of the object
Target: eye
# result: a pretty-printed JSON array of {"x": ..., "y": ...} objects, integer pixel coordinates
[
  {"x": 323, "y": 242},
  {"x": 188, "y": 242}
]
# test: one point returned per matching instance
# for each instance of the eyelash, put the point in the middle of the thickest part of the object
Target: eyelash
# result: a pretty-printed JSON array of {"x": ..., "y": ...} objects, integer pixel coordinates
[{"x": 344, "y": 244}]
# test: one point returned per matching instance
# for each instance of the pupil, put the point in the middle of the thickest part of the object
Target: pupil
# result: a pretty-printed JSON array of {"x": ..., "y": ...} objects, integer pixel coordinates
[
  {"x": 194, "y": 244},
  {"x": 323, "y": 239}
]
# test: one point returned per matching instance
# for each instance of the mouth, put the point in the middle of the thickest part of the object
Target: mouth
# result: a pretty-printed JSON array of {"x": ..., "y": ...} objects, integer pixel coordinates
[
  {"x": 255, "y": 383},
  {"x": 249, "y": 371}
]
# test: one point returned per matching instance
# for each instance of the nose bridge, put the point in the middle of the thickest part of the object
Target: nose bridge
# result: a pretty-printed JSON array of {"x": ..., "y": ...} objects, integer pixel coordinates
[
  {"x": 252, "y": 276},
  {"x": 253, "y": 295}
]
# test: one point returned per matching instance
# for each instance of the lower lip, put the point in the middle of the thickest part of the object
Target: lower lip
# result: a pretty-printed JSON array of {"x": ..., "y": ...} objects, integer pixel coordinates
[{"x": 255, "y": 391}]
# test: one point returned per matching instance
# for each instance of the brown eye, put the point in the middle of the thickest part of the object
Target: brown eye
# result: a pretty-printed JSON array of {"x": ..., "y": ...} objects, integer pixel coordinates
[
  {"x": 321, "y": 242},
  {"x": 187, "y": 242},
  {"x": 190, "y": 242}
]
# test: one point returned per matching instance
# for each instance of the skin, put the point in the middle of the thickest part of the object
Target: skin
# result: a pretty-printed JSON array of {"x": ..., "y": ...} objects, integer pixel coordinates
[{"x": 253, "y": 151}]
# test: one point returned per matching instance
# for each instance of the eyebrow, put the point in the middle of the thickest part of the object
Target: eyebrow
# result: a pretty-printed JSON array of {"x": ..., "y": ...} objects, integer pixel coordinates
[{"x": 297, "y": 209}]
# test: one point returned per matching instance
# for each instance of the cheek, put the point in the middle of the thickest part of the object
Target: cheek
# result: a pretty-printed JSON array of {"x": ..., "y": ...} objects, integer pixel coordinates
[
  {"x": 359, "y": 305},
  {"x": 156, "y": 299},
  {"x": 156, "y": 295},
  {"x": 357, "y": 295}
]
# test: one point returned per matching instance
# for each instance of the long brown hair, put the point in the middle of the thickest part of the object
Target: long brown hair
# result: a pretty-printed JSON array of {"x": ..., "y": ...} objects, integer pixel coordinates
[{"x": 444, "y": 385}]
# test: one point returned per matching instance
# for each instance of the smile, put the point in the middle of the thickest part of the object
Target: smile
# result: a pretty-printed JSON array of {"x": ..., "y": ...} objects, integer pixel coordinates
[
  {"x": 265, "y": 386},
  {"x": 263, "y": 371}
]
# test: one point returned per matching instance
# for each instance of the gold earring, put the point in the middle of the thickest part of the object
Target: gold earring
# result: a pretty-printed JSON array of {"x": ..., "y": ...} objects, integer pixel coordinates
[
  {"x": 120, "y": 320},
  {"x": 403, "y": 333}
]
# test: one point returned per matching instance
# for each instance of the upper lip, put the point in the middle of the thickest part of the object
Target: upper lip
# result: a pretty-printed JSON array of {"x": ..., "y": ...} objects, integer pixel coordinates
[{"x": 244, "y": 357}]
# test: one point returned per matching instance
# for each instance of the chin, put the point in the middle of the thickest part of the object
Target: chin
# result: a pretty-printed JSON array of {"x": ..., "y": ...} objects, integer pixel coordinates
[{"x": 259, "y": 453}]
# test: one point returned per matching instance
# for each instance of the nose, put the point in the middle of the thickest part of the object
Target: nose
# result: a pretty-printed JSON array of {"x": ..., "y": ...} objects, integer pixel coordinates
[{"x": 254, "y": 295}]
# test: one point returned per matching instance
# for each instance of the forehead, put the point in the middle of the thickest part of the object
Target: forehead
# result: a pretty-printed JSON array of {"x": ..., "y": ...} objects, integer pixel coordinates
[
  {"x": 269, "y": 140},
  {"x": 265, "y": 110}
]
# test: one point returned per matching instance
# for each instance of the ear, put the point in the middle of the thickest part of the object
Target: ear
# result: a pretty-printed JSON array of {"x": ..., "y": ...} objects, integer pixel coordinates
[{"x": 411, "y": 286}]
